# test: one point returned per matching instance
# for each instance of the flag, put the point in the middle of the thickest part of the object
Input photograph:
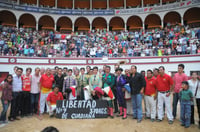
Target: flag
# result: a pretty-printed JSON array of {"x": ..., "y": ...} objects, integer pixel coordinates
[
  {"x": 109, "y": 92},
  {"x": 73, "y": 88},
  {"x": 99, "y": 91}
]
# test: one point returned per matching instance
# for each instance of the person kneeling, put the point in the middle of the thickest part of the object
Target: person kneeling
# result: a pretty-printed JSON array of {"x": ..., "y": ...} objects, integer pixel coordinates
[{"x": 52, "y": 98}]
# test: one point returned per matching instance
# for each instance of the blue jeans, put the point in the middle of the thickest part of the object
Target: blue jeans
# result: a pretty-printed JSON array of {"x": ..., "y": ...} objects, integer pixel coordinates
[
  {"x": 185, "y": 113},
  {"x": 4, "y": 111},
  {"x": 137, "y": 106},
  {"x": 34, "y": 102},
  {"x": 175, "y": 102}
]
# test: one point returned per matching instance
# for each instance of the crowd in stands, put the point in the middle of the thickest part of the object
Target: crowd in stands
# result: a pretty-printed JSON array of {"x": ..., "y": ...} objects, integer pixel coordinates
[{"x": 171, "y": 40}]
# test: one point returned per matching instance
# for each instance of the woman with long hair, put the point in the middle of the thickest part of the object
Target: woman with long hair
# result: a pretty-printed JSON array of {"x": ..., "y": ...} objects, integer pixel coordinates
[{"x": 6, "y": 97}]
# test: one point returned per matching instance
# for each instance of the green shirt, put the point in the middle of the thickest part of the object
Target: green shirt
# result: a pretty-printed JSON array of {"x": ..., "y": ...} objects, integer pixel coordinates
[
  {"x": 108, "y": 80},
  {"x": 186, "y": 95}
]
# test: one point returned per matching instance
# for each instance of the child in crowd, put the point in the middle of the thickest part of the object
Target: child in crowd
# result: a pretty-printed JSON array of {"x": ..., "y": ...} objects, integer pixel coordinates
[{"x": 186, "y": 97}]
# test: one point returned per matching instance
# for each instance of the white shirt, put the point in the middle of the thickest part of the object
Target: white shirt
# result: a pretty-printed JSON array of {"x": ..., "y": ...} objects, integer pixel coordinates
[
  {"x": 193, "y": 86},
  {"x": 34, "y": 84},
  {"x": 17, "y": 83}
]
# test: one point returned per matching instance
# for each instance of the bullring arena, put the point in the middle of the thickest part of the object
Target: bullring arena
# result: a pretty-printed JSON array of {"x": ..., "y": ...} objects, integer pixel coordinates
[{"x": 80, "y": 33}]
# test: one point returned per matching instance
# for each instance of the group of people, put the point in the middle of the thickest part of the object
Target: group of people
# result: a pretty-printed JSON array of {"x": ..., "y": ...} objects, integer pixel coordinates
[
  {"x": 172, "y": 40},
  {"x": 29, "y": 93}
]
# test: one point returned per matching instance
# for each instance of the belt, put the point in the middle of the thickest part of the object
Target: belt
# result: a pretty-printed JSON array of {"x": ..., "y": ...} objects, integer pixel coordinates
[{"x": 164, "y": 91}]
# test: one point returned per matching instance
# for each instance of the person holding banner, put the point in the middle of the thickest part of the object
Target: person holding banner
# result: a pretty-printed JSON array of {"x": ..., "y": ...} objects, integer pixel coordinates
[
  {"x": 120, "y": 81},
  {"x": 109, "y": 81},
  {"x": 69, "y": 81},
  {"x": 52, "y": 98},
  {"x": 95, "y": 83},
  {"x": 82, "y": 82}
]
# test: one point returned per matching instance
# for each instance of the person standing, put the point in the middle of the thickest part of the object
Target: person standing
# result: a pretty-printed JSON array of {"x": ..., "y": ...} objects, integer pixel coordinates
[
  {"x": 194, "y": 86},
  {"x": 68, "y": 82},
  {"x": 6, "y": 97},
  {"x": 16, "y": 95},
  {"x": 178, "y": 79},
  {"x": 82, "y": 82},
  {"x": 186, "y": 97},
  {"x": 35, "y": 91},
  {"x": 128, "y": 100},
  {"x": 108, "y": 80},
  {"x": 94, "y": 82},
  {"x": 137, "y": 84},
  {"x": 59, "y": 78},
  {"x": 150, "y": 96},
  {"x": 164, "y": 84},
  {"x": 46, "y": 83},
  {"x": 120, "y": 81},
  {"x": 26, "y": 88}
]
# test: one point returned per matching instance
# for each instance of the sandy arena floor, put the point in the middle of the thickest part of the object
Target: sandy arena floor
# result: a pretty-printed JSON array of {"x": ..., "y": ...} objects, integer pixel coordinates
[{"x": 33, "y": 124}]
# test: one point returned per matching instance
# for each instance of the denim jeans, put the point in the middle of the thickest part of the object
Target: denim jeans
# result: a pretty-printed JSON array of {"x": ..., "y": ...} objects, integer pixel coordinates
[
  {"x": 175, "y": 102},
  {"x": 137, "y": 106},
  {"x": 4, "y": 111},
  {"x": 34, "y": 102},
  {"x": 185, "y": 112}
]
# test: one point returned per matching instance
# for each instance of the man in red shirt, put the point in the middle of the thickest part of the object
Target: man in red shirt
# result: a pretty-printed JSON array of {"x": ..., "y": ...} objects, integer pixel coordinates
[
  {"x": 26, "y": 88},
  {"x": 178, "y": 79},
  {"x": 150, "y": 96},
  {"x": 46, "y": 83},
  {"x": 164, "y": 84},
  {"x": 52, "y": 98}
]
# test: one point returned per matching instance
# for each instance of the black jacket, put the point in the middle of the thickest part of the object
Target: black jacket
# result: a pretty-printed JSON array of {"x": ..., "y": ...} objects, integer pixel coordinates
[{"x": 136, "y": 83}]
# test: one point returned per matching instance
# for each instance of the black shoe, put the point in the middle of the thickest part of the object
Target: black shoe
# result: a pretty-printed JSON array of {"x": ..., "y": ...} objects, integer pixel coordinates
[
  {"x": 170, "y": 122},
  {"x": 11, "y": 119},
  {"x": 134, "y": 117},
  {"x": 124, "y": 117},
  {"x": 182, "y": 124},
  {"x": 147, "y": 118},
  {"x": 139, "y": 120},
  {"x": 158, "y": 120}
]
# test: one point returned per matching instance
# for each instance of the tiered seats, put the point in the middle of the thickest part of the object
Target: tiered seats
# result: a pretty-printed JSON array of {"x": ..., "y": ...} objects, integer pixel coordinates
[
  {"x": 50, "y": 3},
  {"x": 133, "y": 3},
  {"x": 117, "y": 23},
  {"x": 82, "y": 4},
  {"x": 28, "y": 21},
  {"x": 165, "y": 1},
  {"x": 99, "y": 23},
  {"x": 116, "y": 3},
  {"x": 82, "y": 24},
  {"x": 65, "y": 3},
  {"x": 153, "y": 21},
  {"x": 46, "y": 22},
  {"x": 28, "y": 2},
  {"x": 151, "y": 2},
  {"x": 99, "y": 4},
  {"x": 65, "y": 24},
  {"x": 134, "y": 23}
]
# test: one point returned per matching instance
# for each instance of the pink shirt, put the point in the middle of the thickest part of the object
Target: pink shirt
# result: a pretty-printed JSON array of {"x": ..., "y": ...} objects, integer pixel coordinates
[{"x": 178, "y": 79}]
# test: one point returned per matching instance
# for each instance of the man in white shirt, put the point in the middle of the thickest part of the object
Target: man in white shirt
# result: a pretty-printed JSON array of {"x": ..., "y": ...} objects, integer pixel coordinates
[
  {"x": 17, "y": 95},
  {"x": 35, "y": 90}
]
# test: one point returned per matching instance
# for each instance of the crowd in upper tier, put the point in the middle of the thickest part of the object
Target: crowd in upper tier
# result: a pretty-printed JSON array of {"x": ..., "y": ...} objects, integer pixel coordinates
[{"x": 171, "y": 40}]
